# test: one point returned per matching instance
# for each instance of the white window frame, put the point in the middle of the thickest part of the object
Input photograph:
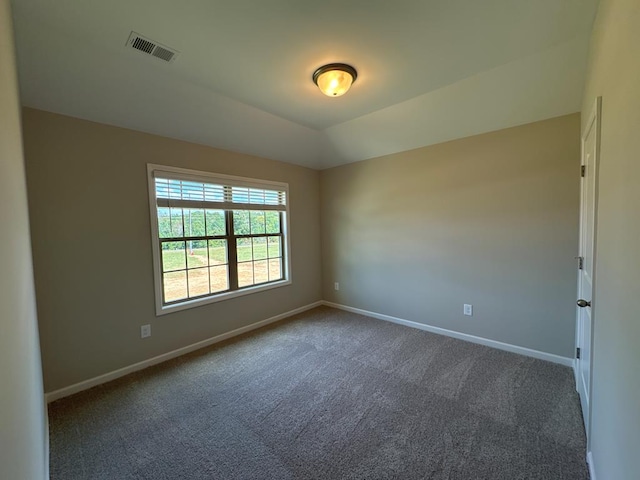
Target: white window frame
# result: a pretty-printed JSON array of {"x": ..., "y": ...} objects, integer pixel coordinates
[{"x": 230, "y": 180}]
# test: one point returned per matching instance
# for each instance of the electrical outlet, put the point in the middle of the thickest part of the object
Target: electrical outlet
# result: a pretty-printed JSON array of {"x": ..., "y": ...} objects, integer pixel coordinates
[
  {"x": 145, "y": 331},
  {"x": 336, "y": 286},
  {"x": 468, "y": 309}
]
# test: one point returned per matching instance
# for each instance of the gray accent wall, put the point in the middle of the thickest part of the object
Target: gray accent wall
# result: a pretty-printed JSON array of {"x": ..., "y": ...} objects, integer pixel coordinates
[
  {"x": 614, "y": 74},
  {"x": 92, "y": 245},
  {"x": 489, "y": 220},
  {"x": 23, "y": 432}
]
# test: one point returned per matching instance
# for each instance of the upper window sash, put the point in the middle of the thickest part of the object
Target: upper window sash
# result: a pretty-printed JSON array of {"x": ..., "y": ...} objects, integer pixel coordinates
[{"x": 221, "y": 193}]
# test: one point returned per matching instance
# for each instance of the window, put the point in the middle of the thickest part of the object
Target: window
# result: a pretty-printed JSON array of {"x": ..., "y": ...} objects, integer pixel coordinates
[{"x": 215, "y": 236}]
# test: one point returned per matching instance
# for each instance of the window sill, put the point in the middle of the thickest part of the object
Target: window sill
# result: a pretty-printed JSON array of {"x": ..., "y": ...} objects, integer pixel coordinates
[{"x": 176, "y": 307}]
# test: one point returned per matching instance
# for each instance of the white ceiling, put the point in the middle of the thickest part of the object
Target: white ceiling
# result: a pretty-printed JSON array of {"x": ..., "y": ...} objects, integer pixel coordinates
[{"x": 428, "y": 70}]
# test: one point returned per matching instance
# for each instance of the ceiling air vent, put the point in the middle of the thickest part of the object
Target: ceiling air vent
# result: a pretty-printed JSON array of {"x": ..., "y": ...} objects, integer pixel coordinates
[{"x": 145, "y": 45}]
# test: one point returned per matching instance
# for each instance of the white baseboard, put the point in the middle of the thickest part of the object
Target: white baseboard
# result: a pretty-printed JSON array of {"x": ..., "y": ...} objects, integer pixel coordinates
[
  {"x": 47, "y": 447},
  {"x": 92, "y": 382},
  {"x": 461, "y": 336},
  {"x": 576, "y": 378},
  {"x": 592, "y": 469}
]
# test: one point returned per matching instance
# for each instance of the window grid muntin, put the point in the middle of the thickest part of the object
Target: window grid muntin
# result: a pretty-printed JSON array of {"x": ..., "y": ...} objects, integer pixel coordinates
[
  {"x": 268, "y": 259},
  {"x": 228, "y": 238},
  {"x": 208, "y": 266}
]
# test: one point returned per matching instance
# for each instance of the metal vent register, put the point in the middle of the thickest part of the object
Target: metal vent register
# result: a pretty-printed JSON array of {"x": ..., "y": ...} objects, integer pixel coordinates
[{"x": 150, "y": 47}]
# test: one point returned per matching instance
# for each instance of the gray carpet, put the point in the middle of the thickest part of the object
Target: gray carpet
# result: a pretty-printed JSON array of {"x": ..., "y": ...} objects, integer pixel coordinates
[{"x": 327, "y": 395}]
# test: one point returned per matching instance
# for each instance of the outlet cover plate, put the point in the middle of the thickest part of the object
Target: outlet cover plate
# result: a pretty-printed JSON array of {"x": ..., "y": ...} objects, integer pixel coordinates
[{"x": 145, "y": 331}]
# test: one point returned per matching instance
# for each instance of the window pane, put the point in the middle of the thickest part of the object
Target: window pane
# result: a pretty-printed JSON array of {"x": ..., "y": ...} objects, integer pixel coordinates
[
  {"x": 240, "y": 194},
  {"x": 198, "y": 282},
  {"x": 175, "y": 188},
  {"x": 275, "y": 269},
  {"x": 257, "y": 222},
  {"x": 216, "y": 223},
  {"x": 173, "y": 256},
  {"x": 175, "y": 286},
  {"x": 194, "y": 223},
  {"x": 219, "y": 278},
  {"x": 176, "y": 222},
  {"x": 192, "y": 190},
  {"x": 260, "y": 248},
  {"x": 256, "y": 196},
  {"x": 241, "y": 222},
  {"x": 243, "y": 247},
  {"x": 274, "y": 197},
  {"x": 260, "y": 272},
  {"x": 197, "y": 253},
  {"x": 217, "y": 252},
  {"x": 273, "y": 222},
  {"x": 274, "y": 247},
  {"x": 162, "y": 188},
  {"x": 164, "y": 222},
  {"x": 213, "y": 192},
  {"x": 245, "y": 274}
]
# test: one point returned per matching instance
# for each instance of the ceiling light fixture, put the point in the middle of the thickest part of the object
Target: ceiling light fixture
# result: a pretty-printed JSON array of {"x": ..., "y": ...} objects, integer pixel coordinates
[{"x": 335, "y": 79}]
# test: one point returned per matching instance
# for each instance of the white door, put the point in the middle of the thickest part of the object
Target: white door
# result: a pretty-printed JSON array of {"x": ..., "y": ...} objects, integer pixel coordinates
[{"x": 584, "y": 327}]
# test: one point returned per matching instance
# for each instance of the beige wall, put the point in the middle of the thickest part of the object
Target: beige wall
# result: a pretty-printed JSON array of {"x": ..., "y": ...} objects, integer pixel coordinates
[
  {"x": 92, "y": 246},
  {"x": 490, "y": 220},
  {"x": 614, "y": 74},
  {"x": 23, "y": 435}
]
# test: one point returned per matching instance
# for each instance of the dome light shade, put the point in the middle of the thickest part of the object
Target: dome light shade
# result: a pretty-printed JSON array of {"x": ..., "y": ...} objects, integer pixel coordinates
[{"x": 335, "y": 79}]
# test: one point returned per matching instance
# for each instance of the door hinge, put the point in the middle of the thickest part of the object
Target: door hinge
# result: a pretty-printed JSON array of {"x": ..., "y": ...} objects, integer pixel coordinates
[
  {"x": 580, "y": 262},
  {"x": 578, "y": 353},
  {"x": 583, "y": 170}
]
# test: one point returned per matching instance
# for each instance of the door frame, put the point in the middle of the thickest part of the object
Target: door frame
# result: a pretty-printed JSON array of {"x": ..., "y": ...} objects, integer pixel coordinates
[{"x": 593, "y": 121}]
